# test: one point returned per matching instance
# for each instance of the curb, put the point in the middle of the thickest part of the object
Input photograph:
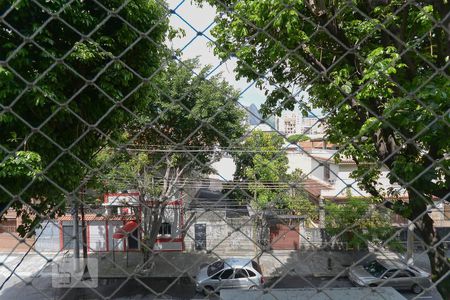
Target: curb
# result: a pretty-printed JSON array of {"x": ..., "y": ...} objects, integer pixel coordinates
[{"x": 328, "y": 275}]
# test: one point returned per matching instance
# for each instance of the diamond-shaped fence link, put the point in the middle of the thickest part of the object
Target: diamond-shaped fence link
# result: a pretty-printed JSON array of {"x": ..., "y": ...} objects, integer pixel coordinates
[{"x": 224, "y": 149}]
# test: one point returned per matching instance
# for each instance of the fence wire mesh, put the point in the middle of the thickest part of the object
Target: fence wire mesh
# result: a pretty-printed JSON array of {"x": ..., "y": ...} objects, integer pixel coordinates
[{"x": 224, "y": 149}]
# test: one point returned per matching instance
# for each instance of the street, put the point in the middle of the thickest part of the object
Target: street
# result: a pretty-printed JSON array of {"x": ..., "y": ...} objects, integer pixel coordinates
[
  {"x": 163, "y": 288},
  {"x": 164, "y": 284}
]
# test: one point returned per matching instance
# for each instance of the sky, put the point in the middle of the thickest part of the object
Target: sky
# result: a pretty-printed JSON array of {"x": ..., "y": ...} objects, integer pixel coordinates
[{"x": 193, "y": 19}]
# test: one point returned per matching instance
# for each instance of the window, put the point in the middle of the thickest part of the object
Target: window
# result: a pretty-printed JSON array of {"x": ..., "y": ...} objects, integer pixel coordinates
[
  {"x": 215, "y": 267},
  {"x": 389, "y": 273},
  {"x": 256, "y": 266},
  {"x": 404, "y": 273},
  {"x": 240, "y": 273},
  {"x": 226, "y": 274},
  {"x": 375, "y": 268},
  {"x": 165, "y": 229},
  {"x": 251, "y": 273}
]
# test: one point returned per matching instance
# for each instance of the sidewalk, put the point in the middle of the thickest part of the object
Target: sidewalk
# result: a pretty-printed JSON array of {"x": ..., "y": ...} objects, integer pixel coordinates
[
  {"x": 176, "y": 264},
  {"x": 309, "y": 263},
  {"x": 276, "y": 263}
]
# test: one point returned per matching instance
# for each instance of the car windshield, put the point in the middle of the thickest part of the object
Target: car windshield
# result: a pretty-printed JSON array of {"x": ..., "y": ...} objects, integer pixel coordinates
[
  {"x": 375, "y": 268},
  {"x": 215, "y": 267}
]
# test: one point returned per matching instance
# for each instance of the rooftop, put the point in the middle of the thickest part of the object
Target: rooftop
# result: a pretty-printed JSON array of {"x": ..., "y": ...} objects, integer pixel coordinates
[{"x": 207, "y": 199}]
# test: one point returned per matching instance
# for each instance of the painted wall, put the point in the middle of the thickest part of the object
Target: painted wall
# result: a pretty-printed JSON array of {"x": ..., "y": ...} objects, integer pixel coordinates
[
  {"x": 97, "y": 236},
  {"x": 118, "y": 244},
  {"x": 49, "y": 237},
  {"x": 221, "y": 236}
]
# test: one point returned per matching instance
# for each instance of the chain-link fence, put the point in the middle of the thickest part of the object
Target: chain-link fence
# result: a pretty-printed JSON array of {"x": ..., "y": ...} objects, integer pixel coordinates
[{"x": 224, "y": 149}]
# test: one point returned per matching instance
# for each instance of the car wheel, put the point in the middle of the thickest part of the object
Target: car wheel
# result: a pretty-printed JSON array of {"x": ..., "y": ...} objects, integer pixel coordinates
[
  {"x": 253, "y": 287},
  {"x": 373, "y": 285},
  {"x": 416, "y": 289},
  {"x": 208, "y": 290}
]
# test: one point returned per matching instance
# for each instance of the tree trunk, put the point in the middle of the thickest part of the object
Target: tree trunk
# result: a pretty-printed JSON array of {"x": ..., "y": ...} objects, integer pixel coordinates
[
  {"x": 154, "y": 216},
  {"x": 145, "y": 222},
  {"x": 435, "y": 250},
  {"x": 386, "y": 145}
]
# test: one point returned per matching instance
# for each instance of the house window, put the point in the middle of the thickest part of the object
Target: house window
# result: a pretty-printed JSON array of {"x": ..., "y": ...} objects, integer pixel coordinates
[{"x": 165, "y": 229}]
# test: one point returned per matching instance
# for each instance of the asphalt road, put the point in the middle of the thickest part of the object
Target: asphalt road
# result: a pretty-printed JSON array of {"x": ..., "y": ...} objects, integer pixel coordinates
[
  {"x": 184, "y": 288},
  {"x": 162, "y": 288}
]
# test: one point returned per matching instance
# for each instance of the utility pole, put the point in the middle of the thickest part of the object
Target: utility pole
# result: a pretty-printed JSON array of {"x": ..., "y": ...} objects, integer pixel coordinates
[
  {"x": 410, "y": 242},
  {"x": 83, "y": 224},
  {"x": 322, "y": 220},
  {"x": 76, "y": 231},
  {"x": 321, "y": 213},
  {"x": 83, "y": 230}
]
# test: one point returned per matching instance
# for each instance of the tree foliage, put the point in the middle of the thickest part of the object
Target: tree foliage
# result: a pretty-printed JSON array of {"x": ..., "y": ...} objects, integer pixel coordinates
[
  {"x": 65, "y": 85},
  {"x": 358, "y": 222},
  {"x": 296, "y": 138},
  {"x": 378, "y": 69},
  {"x": 263, "y": 166},
  {"x": 173, "y": 139}
]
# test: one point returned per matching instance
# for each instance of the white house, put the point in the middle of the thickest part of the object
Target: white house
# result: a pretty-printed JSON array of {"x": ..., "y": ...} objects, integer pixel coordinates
[
  {"x": 319, "y": 164},
  {"x": 115, "y": 227}
]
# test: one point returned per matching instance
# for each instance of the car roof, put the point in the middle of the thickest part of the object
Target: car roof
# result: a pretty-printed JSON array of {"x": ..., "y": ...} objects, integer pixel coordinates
[
  {"x": 392, "y": 264},
  {"x": 397, "y": 264},
  {"x": 238, "y": 262},
  {"x": 400, "y": 265}
]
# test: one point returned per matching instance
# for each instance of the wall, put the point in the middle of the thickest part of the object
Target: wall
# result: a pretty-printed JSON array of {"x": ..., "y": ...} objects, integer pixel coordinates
[
  {"x": 97, "y": 236},
  {"x": 221, "y": 237},
  {"x": 224, "y": 168},
  {"x": 297, "y": 160},
  {"x": 344, "y": 180},
  {"x": 339, "y": 173},
  {"x": 118, "y": 244},
  {"x": 49, "y": 237}
]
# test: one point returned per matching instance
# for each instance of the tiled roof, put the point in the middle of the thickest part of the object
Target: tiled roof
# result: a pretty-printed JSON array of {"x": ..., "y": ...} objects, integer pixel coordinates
[
  {"x": 331, "y": 160},
  {"x": 314, "y": 187},
  {"x": 93, "y": 217}
]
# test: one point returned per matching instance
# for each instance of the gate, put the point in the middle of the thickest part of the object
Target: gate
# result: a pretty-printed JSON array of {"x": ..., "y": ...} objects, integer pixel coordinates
[{"x": 284, "y": 237}]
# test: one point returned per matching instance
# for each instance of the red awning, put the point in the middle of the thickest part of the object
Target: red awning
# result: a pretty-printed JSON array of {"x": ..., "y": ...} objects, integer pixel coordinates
[{"x": 123, "y": 231}]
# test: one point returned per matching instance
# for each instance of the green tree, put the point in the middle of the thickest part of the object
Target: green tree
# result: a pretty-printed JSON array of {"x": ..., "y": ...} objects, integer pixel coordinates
[
  {"x": 297, "y": 201},
  {"x": 378, "y": 69},
  {"x": 263, "y": 167},
  {"x": 357, "y": 221},
  {"x": 63, "y": 90},
  {"x": 173, "y": 140},
  {"x": 295, "y": 138}
]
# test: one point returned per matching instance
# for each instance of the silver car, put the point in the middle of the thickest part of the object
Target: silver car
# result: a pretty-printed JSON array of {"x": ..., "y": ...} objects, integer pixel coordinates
[
  {"x": 393, "y": 273},
  {"x": 230, "y": 273}
]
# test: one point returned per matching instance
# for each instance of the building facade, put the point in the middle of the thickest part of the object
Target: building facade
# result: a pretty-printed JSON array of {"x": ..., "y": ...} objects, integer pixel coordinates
[{"x": 116, "y": 227}]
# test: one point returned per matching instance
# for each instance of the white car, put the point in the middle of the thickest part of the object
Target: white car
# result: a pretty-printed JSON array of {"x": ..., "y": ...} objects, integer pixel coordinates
[
  {"x": 230, "y": 273},
  {"x": 388, "y": 272}
]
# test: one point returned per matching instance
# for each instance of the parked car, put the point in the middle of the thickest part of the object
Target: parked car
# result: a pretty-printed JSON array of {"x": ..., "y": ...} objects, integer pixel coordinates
[
  {"x": 230, "y": 273},
  {"x": 388, "y": 272}
]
